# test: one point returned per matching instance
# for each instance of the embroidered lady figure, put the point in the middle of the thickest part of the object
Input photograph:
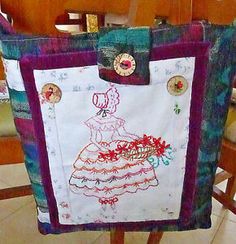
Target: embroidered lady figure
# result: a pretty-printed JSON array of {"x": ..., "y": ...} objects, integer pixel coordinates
[{"x": 115, "y": 161}]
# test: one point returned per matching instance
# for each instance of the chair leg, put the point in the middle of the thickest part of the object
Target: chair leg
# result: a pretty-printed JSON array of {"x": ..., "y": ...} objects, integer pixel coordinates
[
  {"x": 222, "y": 176},
  {"x": 224, "y": 199},
  {"x": 155, "y": 237},
  {"x": 18, "y": 191},
  {"x": 231, "y": 187},
  {"x": 117, "y": 236}
]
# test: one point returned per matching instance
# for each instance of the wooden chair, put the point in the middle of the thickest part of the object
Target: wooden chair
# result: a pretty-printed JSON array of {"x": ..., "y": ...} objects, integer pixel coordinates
[
  {"x": 27, "y": 18},
  {"x": 227, "y": 163}
]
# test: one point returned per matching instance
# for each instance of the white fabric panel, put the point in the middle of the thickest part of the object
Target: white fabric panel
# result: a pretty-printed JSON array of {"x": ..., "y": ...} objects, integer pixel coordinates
[{"x": 148, "y": 110}]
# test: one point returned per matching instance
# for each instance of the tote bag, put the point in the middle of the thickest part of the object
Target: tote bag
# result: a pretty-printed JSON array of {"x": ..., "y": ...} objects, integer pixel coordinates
[{"x": 121, "y": 128}]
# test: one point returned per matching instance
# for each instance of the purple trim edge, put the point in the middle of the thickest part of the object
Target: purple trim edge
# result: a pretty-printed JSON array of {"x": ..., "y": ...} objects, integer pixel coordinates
[
  {"x": 6, "y": 25},
  {"x": 198, "y": 50}
]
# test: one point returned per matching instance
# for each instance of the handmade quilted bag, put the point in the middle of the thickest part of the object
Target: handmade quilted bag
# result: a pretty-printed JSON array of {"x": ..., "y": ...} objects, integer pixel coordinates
[{"x": 122, "y": 128}]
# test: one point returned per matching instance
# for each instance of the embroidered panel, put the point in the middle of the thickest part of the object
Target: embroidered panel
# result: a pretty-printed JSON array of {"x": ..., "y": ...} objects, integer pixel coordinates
[{"x": 101, "y": 160}]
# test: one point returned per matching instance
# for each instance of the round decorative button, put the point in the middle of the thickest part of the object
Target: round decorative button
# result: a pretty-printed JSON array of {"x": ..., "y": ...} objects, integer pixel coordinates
[
  {"x": 51, "y": 93},
  {"x": 177, "y": 85},
  {"x": 124, "y": 64}
]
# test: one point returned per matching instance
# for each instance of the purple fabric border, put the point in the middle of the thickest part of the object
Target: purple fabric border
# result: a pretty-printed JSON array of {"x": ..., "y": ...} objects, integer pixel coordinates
[
  {"x": 6, "y": 25},
  {"x": 198, "y": 49}
]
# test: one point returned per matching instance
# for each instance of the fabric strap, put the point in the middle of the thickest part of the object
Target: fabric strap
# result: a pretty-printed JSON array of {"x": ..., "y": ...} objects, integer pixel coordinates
[{"x": 133, "y": 41}]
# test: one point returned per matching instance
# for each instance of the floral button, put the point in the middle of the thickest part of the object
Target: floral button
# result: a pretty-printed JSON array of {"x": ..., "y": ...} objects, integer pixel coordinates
[
  {"x": 177, "y": 85},
  {"x": 124, "y": 64},
  {"x": 51, "y": 93}
]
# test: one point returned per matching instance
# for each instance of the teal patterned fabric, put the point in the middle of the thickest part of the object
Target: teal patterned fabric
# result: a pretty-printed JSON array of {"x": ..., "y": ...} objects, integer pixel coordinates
[
  {"x": 135, "y": 42},
  {"x": 221, "y": 69}
]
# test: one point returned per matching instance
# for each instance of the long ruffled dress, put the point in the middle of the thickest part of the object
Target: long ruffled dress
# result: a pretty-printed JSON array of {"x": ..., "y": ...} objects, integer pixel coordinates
[{"x": 108, "y": 178}]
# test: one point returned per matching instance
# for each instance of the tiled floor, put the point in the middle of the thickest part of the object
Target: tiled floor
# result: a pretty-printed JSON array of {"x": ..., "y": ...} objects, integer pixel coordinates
[{"x": 18, "y": 222}]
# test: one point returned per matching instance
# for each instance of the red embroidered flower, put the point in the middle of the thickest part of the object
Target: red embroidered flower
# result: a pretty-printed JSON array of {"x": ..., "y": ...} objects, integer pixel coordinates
[
  {"x": 179, "y": 85},
  {"x": 121, "y": 148},
  {"x": 125, "y": 64},
  {"x": 102, "y": 156},
  {"x": 112, "y": 155},
  {"x": 157, "y": 141},
  {"x": 146, "y": 141},
  {"x": 134, "y": 145}
]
